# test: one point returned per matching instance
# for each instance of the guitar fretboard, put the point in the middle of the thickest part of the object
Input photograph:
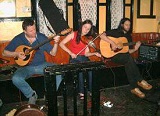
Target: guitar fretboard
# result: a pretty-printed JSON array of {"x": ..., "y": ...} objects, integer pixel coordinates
[{"x": 129, "y": 44}]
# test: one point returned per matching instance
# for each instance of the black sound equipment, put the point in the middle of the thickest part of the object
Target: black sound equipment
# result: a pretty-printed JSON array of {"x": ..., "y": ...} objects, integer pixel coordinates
[{"x": 149, "y": 52}]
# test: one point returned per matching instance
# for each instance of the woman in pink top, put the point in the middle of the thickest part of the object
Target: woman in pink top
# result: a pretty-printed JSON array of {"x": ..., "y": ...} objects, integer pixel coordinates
[{"x": 77, "y": 52}]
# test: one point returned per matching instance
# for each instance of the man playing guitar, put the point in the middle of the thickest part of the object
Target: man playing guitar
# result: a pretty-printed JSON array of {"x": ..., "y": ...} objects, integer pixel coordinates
[
  {"x": 133, "y": 74},
  {"x": 29, "y": 37}
]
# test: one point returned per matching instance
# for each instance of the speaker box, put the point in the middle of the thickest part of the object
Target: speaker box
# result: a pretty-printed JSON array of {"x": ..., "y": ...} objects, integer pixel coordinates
[{"x": 149, "y": 52}]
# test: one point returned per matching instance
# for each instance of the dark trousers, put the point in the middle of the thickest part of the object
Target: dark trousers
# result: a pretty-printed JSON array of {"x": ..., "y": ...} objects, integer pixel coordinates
[{"x": 131, "y": 68}]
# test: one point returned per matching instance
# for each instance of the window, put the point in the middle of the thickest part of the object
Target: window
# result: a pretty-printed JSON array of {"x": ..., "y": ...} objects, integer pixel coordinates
[{"x": 145, "y": 9}]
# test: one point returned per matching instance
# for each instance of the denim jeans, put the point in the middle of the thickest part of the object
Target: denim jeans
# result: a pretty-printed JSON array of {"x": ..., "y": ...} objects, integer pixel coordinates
[
  {"x": 81, "y": 59},
  {"x": 23, "y": 73},
  {"x": 131, "y": 68}
]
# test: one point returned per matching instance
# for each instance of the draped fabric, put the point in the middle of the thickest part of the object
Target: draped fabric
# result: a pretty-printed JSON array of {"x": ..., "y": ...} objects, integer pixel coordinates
[
  {"x": 61, "y": 4},
  {"x": 116, "y": 12},
  {"x": 43, "y": 22},
  {"x": 89, "y": 10}
]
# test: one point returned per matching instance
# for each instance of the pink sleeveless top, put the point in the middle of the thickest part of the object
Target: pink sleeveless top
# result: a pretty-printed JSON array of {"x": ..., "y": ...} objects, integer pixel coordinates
[{"x": 76, "y": 48}]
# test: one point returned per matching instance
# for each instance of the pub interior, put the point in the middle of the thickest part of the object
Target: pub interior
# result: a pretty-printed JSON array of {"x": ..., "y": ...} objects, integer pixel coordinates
[{"x": 110, "y": 87}]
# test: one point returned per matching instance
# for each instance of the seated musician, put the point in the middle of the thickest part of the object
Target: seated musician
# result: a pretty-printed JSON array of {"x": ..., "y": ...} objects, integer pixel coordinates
[
  {"x": 134, "y": 77},
  {"x": 30, "y": 38},
  {"x": 77, "y": 52}
]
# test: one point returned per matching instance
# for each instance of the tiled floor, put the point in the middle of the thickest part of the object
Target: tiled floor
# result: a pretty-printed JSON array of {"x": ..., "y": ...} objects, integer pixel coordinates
[{"x": 124, "y": 103}]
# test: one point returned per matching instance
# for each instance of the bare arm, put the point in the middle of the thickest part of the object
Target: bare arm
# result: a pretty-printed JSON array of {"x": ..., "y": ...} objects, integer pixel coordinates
[
  {"x": 66, "y": 40},
  {"x": 88, "y": 53},
  {"x": 105, "y": 38},
  {"x": 55, "y": 47},
  {"x": 136, "y": 47},
  {"x": 7, "y": 53}
]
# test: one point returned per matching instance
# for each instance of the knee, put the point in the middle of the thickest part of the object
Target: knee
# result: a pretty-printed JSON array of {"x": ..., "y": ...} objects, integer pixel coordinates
[
  {"x": 16, "y": 79},
  {"x": 58, "y": 78}
]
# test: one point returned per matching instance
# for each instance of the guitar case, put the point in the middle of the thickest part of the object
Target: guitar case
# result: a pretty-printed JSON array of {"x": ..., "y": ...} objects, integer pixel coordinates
[{"x": 54, "y": 15}]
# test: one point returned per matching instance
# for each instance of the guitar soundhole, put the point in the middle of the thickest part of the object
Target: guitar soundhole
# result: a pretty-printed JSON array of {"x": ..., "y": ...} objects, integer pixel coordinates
[{"x": 25, "y": 50}]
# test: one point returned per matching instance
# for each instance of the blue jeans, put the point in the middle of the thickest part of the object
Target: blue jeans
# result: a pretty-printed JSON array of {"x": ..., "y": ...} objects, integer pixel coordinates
[
  {"x": 81, "y": 59},
  {"x": 23, "y": 73}
]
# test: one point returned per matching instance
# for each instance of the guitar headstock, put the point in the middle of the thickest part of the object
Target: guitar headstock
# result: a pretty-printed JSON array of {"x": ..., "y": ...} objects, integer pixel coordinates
[{"x": 66, "y": 31}]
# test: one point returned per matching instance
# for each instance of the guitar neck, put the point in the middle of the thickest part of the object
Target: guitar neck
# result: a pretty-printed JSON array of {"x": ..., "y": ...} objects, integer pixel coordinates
[
  {"x": 50, "y": 39},
  {"x": 41, "y": 44},
  {"x": 129, "y": 44}
]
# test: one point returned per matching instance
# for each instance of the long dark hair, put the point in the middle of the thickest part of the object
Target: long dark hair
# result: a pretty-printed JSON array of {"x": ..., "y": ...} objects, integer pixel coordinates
[
  {"x": 120, "y": 27},
  {"x": 78, "y": 38}
]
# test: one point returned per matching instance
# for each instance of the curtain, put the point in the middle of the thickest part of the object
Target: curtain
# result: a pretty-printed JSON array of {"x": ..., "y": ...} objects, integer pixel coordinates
[
  {"x": 43, "y": 22},
  {"x": 89, "y": 10},
  {"x": 116, "y": 12}
]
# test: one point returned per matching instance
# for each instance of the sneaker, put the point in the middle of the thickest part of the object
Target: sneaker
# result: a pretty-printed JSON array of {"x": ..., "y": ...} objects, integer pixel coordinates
[
  {"x": 138, "y": 93},
  {"x": 144, "y": 85},
  {"x": 81, "y": 96},
  {"x": 33, "y": 98}
]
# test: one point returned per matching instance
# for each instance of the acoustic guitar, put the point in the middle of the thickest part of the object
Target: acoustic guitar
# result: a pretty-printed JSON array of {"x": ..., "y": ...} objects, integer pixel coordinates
[
  {"x": 30, "y": 51},
  {"x": 122, "y": 42}
]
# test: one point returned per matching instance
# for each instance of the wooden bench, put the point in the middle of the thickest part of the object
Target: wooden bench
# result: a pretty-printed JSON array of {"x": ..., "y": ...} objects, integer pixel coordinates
[{"x": 63, "y": 58}]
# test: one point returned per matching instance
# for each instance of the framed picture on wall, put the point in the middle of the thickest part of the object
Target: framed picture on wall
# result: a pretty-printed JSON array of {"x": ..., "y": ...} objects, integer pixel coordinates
[
  {"x": 145, "y": 9},
  {"x": 7, "y": 8}
]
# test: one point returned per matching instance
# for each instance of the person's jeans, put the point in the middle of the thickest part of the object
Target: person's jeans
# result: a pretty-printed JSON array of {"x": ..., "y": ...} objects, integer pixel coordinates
[
  {"x": 81, "y": 82},
  {"x": 81, "y": 59},
  {"x": 26, "y": 72},
  {"x": 131, "y": 68}
]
